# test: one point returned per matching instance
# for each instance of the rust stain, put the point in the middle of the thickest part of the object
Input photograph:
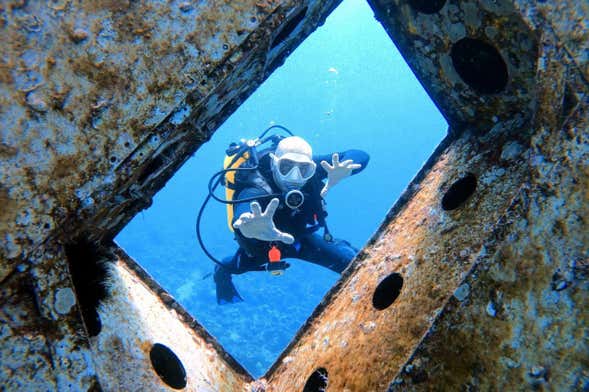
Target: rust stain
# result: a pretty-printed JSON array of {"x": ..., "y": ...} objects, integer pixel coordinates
[
  {"x": 6, "y": 71},
  {"x": 7, "y": 151},
  {"x": 9, "y": 208},
  {"x": 103, "y": 74},
  {"x": 129, "y": 26},
  {"x": 114, "y": 6},
  {"x": 65, "y": 166}
]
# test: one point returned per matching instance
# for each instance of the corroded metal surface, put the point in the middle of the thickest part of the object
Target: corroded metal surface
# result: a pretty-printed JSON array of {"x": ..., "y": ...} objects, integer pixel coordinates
[
  {"x": 23, "y": 340},
  {"x": 129, "y": 333},
  {"x": 44, "y": 347},
  {"x": 426, "y": 41},
  {"x": 522, "y": 324},
  {"x": 101, "y": 102},
  {"x": 72, "y": 74},
  {"x": 568, "y": 20}
]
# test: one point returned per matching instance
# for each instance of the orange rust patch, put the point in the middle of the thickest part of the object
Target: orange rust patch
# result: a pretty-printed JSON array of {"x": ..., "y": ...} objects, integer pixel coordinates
[
  {"x": 5, "y": 73},
  {"x": 7, "y": 151},
  {"x": 129, "y": 25},
  {"x": 9, "y": 206},
  {"x": 101, "y": 73},
  {"x": 64, "y": 166},
  {"x": 109, "y": 5},
  {"x": 145, "y": 346},
  {"x": 50, "y": 62},
  {"x": 57, "y": 98}
]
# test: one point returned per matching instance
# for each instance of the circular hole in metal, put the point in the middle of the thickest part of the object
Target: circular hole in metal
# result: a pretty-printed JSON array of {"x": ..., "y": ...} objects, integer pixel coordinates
[
  {"x": 317, "y": 381},
  {"x": 289, "y": 27},
  {"x": 459, "y": 192},
  {"x": 167, "y": 365},
  {"x": 387, "y": 291},
  {"x": 427, "y": 6},
  {"x": 479, "y": 65}
]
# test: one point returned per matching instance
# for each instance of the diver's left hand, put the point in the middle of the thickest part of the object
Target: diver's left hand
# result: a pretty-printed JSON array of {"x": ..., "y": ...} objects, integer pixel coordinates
[{"x": 337, "y": 171}]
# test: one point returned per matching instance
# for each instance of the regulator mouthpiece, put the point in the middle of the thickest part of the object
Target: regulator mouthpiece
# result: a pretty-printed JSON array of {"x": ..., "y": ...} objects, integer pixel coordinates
[{"x": 294, "y": 199}]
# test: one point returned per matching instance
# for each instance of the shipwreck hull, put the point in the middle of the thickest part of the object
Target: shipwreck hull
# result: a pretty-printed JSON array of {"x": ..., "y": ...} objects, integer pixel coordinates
[{"x": 475, "y": 280}]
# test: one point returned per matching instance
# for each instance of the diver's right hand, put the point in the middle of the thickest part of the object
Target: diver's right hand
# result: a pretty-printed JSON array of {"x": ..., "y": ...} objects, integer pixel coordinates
[{"x": 259, "y": 225}]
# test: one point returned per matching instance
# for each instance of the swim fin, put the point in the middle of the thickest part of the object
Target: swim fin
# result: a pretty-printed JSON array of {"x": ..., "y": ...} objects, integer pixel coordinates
[{"x": 226, "y": 291}]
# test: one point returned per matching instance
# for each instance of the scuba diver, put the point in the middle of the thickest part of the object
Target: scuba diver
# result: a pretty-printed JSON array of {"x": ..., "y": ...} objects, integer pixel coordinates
[{"x": 275, "y": 206}]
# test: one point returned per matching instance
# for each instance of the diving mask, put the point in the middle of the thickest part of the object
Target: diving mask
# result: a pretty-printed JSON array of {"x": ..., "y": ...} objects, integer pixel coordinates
[
  {"x": 290, "y": 173},
  {"x": 292, "y": 163},
  {"x": 286, "y": 166}
]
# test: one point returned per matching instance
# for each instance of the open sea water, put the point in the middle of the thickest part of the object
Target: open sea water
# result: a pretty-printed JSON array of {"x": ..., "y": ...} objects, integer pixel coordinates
[{"x": 344, "y": 87}]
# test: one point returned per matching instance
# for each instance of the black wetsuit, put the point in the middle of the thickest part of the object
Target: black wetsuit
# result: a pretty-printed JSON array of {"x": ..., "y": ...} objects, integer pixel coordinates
[{"x": 301, "y": 223}]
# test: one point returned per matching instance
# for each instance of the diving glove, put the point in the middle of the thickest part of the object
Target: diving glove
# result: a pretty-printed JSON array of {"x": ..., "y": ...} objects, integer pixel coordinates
[
  {"x": 337, "y": 171},
  {"x": 260, "y": 225}
]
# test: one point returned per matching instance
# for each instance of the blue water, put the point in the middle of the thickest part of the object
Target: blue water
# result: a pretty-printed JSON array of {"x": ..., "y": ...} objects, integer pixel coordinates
[{"x": 345, "y": 87}]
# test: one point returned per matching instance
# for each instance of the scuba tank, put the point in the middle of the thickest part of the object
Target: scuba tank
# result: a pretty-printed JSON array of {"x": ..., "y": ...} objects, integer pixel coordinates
[{"x": 237, "y": 156}]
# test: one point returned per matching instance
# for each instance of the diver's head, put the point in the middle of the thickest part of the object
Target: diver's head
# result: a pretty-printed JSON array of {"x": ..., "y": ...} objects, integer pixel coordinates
[{"x": 292, "y": 163}]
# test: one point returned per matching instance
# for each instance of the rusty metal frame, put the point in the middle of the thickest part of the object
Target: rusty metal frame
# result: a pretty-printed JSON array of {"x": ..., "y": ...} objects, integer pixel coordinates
[{"x": 493, "y": 292}]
